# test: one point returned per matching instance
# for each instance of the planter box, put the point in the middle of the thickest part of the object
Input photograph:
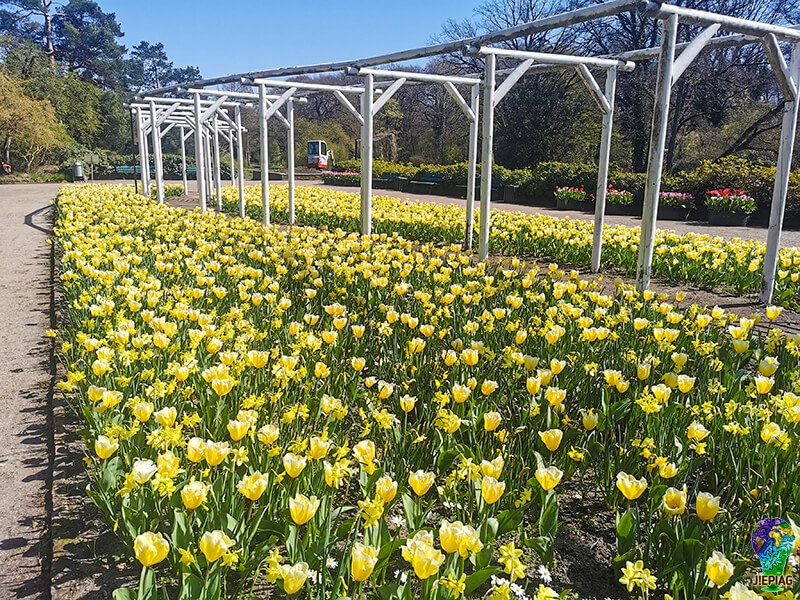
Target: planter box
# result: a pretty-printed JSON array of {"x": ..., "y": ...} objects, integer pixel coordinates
[
  {"x": 726, "y": 218},
  {"x": 673, "y": 213},
  {"x": 619, "y": 209},
  {"x": 562, "y": 204}
]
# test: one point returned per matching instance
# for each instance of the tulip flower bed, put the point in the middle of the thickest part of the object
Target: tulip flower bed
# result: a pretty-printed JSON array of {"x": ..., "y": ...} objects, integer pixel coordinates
[
  {"x": 316, "y": 415},
  {"x": 708, "y": 262}
]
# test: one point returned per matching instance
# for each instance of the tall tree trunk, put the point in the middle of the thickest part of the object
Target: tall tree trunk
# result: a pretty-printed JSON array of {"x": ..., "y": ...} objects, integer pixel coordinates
[
  {"x": 48, "y": 33},
  {"x": 7, "y": 149}
]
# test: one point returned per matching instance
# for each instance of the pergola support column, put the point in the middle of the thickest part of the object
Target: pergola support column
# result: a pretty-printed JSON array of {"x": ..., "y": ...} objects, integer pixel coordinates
[
  {"x": 262, "y": 126},
  {"x": 486, "y": 155},
  {"x": 290, "y": 155},
  {"x": 472, "y": 164},
  {"x": 784, "y": 168},
  {"x": 366, "y": 155},
  {"x": 155, "y": 130},
  {"x": 655, "y": 164},
  {"x": 602, "y": 170},
  {"x": 217, "y": 165},
  {"x": 181, "y": 131},
  {"x": 240, "y": 158},
  {"x": 199, "y": 159},
  {"x": 144, "y": 161}
]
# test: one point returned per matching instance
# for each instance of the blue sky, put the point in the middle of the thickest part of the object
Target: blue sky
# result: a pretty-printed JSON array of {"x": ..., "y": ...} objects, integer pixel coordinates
[{"x": 233, "y": 36}]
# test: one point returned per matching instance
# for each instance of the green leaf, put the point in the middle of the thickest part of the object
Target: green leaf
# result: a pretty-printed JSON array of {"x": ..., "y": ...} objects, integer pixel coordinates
[
  {"x": 412, "y": 513},
  {"x": 123, "y": 594},
  {"x": 180, "y": 537},
  {"x": 191, "y": 587},
  {"x": 477, "y": 579},
  {"x": 509, "y": 520},
  {"x": 627, "y": 527},
  {"x": 446, "y": 459}
]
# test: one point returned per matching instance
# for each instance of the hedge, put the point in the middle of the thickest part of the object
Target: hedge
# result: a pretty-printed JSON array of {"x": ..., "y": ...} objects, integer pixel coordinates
[{"x": 538, "y": 183}]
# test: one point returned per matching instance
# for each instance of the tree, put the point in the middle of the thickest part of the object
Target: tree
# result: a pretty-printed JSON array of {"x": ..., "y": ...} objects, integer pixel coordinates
[
  {"x": 20, "y": 11},
  {"x": 152, "y": 68},
  {"x": 86, "y": 42},
  {"x": 30, "y": 124}
]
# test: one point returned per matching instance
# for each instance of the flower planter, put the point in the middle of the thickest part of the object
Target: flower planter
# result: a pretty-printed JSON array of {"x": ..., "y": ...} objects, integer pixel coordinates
[
  {"x": 576, "y": 205},
  {"x": 727, "y": 218},
  {"x": 618, "y": 209},
  {"x": 562, "y": 204},
  {"x": 673, "y": 213}
]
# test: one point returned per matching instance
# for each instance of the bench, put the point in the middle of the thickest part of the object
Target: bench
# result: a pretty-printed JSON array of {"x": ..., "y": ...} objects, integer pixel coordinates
[
  {"x": 387, "y": 181},
  {"x": 427, "y": 182},
  {"x": 131, "y": 170}
]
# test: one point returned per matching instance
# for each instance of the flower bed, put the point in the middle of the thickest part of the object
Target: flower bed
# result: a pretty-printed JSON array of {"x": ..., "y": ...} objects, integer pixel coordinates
[
  {"x": 707, "y": 261},
  {"x": 341, "y": 178},
  {"x": 309, "y": 410}
]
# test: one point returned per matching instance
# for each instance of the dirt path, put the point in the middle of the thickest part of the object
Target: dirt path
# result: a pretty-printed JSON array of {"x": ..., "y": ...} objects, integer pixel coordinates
[{"x": 25, "y": 390}]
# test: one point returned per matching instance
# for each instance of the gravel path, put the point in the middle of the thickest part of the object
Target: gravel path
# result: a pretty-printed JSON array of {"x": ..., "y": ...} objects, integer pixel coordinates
[{"x": 25, "y": 390}]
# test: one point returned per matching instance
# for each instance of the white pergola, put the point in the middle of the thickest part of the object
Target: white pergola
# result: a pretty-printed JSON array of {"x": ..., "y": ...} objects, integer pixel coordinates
[{"x": 718, "y": 31}]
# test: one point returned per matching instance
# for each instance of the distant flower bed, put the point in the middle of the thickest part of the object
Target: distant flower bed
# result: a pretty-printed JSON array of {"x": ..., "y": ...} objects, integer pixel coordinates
[
  {"x": 623, "y": 197},
  {"x": 730, "y": 201},
  {"x": 341, "y": 178},
  {"x": 676, "y": 199}
]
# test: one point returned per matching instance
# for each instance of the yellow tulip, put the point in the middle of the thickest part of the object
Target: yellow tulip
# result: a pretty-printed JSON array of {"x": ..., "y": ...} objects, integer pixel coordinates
[
  {"x": 150, "y": 548},
  {"x": 493, "y": 468},
  {"x": 194, "y": 493},
  {"x": 460, "y": 393},
  {"x": 294, "y": 577},
  {"x": 357, "y": 363},
  {"x": 492, "y": 490},
  {"x": 589, "y": 420},
  {"x": 238, "y": 429},
  {"x": 364, "y": 452},
  {"x": 253, "y": 486},
  {"x": 643, "y": 371},
  {"x": 630, "y": 487},
  {"x": 719, "y": 569},
  {"x": 488, "y": 386},
  {"x": 362, "y": 561},
  {"x": 105, "y": 446},
  {"x": 491, "y": 420},
  {"x": 294, "y": 464},
  {"x": 318, "y": 448},
  {"x": 143, "y": 470},
  {"x": 675, "y": 501},
  {"x": 763, "y": 384},
  {"x": 470, "y": 357},
  {"x": 555, "y": 395},
  {"x": 386, "y": 489},
  {"x": 407, "y": 403},
  {"x": 548, "y": 478},
  {"x": 421, "y": 481},
  {"x": 195, "y": 449},
  {"x": 551, "y": 438},
  {"x": 697, "y": 432},
  {"x": 533, "y": 384},
  {"x": 142, "y": 410},
  {"x": 302, "y": 508},
  {"x": 213, "y": 544},
  {"x": 216, "y": 452},
  {"x": 773, "y": 312},
  {"x": 667, "y": 470},
  {"x": 707, "y": 506},
  {"x": 768, "y": 366},
  {"x": 419, "y": 551},
  {"x": 457, "y": 537},
  {"x": 770, "y": 431},
  {"x": 268, "y": 434},
  {"x": 166, "y": 416}
]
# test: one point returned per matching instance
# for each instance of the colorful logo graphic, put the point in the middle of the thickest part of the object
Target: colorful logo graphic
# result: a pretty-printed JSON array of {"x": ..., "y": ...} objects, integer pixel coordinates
[{"x": 773, "y": 542}]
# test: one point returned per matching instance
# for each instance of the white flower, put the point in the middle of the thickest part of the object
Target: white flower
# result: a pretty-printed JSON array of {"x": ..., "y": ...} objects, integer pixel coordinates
[
  {"x": 397, "y": 521},
  {"x": 793, "y": 560},
  {"x": 544, "y": 574},
  {"x": 331, "y": 563},
  {"x": 143, "y": 470}
]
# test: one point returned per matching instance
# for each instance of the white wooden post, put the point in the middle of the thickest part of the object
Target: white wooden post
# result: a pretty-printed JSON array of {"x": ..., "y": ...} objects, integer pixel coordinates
[
  {"x": 366, "y": 156},
  {"x": 655, "y": 164},
  {"x": 784, "y": 168},
  {"x": 602, "y": 169},
  {"x": 472, "y": 163},
  {"x": 208, "y": 145},
  {"x": 240, "y": 157},
  {"x": 182, "y": 133},
  {"x": 290, "y": 156},
  {"x": 155, "y": 131},
  {"x": 144, "y": 162},
  {"x": 262, "y": 123},
  {"x": 230, "y": 155},
  {"x": 199, "y": 159},
  {"x": 486, "y": 155},
  {"x": 217, "y": 164}
]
